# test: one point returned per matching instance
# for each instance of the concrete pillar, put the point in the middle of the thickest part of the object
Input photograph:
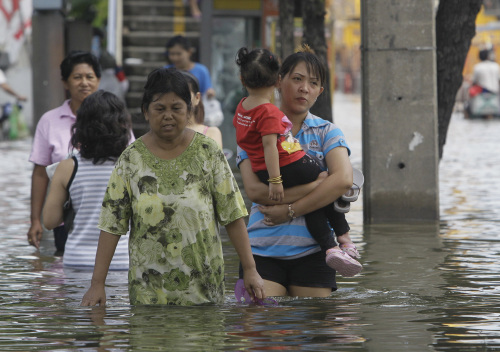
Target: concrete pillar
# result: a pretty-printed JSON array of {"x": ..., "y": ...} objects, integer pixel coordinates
[
  {"x": 206, "y": 33},
  {"x": 78, "y": 35},
  {"x": 48, "y": 52},
  {"x": 399, "y": 104}
]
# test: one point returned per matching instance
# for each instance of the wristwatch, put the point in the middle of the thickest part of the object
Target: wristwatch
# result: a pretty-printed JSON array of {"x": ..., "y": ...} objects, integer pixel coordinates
[{"x": 291, "y": 213}]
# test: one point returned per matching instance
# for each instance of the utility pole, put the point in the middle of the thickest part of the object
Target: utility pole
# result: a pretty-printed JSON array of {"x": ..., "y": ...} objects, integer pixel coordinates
[
  {"x": 313, "y": 18},
  {"x": 48, "y": 52},
  {"x": 207, "y": 8},
  {"x": 399, "y": 104},
  {"x": 286, "y": 26}
]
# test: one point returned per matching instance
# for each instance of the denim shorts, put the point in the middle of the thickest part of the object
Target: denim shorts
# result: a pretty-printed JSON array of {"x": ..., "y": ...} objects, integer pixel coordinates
[{"x": 308, "y": 271}]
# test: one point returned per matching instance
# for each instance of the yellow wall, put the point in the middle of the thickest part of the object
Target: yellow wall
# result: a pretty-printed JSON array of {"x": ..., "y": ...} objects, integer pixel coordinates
[
  {"x": 346, "y": 9},
  {"x": 346, "y": 14},
  {"x": 484, "y": 39},
  {"x": 352, "y": 34}
]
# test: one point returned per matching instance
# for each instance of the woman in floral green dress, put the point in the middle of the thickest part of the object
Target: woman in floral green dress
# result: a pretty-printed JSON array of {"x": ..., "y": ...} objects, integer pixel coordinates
[{"x": 172, "y": 187}]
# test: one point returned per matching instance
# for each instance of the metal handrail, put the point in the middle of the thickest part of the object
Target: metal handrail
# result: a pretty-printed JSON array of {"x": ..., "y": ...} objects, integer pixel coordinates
[{"x": 115, "y": 30}]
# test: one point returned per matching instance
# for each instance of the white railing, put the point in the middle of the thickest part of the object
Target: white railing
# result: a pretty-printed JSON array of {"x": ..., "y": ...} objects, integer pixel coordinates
[{"x": 115, "y": 29}]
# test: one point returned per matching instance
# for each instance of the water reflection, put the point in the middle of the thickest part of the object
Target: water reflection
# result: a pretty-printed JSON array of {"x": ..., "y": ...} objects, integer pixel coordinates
[
  {"x": 469, "y": 315},
  {"x": 423, "y": 287}
]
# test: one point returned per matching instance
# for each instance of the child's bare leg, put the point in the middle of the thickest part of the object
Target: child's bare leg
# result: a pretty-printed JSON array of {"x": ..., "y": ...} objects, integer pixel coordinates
[
  {"x": 195, "y": 10},
  {"x": 344, "y": 239},
  {"x": 336, "y": 257}
]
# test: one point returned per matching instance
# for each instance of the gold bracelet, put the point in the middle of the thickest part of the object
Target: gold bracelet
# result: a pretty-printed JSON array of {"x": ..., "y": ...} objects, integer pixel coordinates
[{"x": 275, "y": 180}]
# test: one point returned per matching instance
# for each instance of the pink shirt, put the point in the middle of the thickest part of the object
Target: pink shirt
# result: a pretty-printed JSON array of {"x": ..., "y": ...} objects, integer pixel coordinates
[
  {"x": 52, "y": 141},
  {"x": 52, "y": 136}
]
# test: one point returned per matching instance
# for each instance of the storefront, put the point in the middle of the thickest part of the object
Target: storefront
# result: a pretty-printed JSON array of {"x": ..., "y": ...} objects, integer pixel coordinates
[{"x": 228, "y": 25}]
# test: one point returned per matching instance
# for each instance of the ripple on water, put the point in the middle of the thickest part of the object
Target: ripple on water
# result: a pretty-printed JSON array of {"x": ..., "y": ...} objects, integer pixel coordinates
[{"x": 422, "y": 288}]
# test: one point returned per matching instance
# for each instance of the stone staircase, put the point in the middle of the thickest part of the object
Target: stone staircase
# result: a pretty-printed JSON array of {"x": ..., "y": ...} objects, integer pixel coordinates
[{"x": 147, "y": 26}]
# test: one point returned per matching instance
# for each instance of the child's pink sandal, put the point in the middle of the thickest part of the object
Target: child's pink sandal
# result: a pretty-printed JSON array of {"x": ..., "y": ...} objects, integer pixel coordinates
[
  {"x": 342, "y": 263},
  {"x": 350, "y": 248}
]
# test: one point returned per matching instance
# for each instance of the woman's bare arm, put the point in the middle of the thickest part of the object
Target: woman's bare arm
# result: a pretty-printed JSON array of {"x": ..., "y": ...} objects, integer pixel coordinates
[
  {"x": 338, "y": 182},
  {"x": 335, "y": 185},
  {"x": 238, "y": 235},
  {"x": 39, "y": 183},
  {"x": 53, "y": 207},
  {"x": 258, "y": 192},
  {"x": 106, "y": 247},
  {"x": 215, "y": 134}
]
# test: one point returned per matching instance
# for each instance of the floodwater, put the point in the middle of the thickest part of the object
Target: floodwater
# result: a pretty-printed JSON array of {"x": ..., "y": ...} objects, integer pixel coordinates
[{"x": 423, "y": 287}]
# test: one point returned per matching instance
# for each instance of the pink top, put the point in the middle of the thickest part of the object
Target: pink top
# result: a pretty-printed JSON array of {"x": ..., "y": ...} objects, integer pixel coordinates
[{"x": 51, "y": 142}]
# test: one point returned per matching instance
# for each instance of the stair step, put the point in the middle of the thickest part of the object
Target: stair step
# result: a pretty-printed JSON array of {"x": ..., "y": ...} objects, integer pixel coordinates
[
  {"x": 150, "y": 8},
  {"x": 143, "y": 69},
  {"x": 162, "y": 18},
  {"x": 155, "y": 8},
  {"x": 145, "y": 53},
  {"x": 147, "y": 26},
  {"x": 160, "y": 33},
  {"x": 155, "y": 38},
  {"x": 134, "y": 100},
  {"x": 139, "y": 125},
  {"x": 135, "y": 111},
  {"x": 166, "y": 23},
  {"x": 137, "y": 83},
  {"x": 154, "y": 53}
]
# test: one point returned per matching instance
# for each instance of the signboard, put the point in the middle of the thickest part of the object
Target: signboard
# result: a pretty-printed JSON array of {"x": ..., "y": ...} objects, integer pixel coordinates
[{"x": 15, "y": 26}]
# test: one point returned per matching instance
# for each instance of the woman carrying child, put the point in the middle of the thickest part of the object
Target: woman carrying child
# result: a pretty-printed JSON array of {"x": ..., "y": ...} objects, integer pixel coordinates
[{"x": 287, "y": 255}]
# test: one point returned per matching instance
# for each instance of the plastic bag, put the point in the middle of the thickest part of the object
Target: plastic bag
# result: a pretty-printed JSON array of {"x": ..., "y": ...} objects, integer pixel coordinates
[
  {"x": 213, "y": 112},
  {"x": 6, "y": 111},
  {"x": 475, "y": 90},
  {"x": 17, "y": 125}
]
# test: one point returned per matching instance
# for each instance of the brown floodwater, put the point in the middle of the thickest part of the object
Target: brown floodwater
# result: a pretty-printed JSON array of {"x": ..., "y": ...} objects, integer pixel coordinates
[{"x": 423, "y": 287}]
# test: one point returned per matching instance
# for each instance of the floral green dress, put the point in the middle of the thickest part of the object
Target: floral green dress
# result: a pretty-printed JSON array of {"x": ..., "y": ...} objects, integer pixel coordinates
[{"x": 174, "y": 208}]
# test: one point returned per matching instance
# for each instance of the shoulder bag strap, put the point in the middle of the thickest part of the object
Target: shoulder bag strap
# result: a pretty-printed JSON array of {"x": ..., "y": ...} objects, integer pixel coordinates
[{"x": 75, "y": 160}]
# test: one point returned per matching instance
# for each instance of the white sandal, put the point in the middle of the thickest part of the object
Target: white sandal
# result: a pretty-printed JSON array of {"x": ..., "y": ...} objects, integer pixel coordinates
[{"x": 357, "y": 182}]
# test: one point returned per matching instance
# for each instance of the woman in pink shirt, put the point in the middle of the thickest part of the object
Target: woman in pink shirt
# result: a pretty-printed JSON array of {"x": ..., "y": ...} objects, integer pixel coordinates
[{"x": 81, "y": 73}]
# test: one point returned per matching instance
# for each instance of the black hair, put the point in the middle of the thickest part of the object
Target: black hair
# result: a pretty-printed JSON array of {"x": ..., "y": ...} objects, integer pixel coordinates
[
  {"x": 258, "y": 68},
  {"x": 194, "y": 87},
  {"x": 313, "y": 63},
  {"x": 102, "y": 128},
  {"x": 179, "y": 40},
  {"x": 79, "y": 57},
  {"x": 162, "y": 81},
  {"x": 484, "y": 54}
]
